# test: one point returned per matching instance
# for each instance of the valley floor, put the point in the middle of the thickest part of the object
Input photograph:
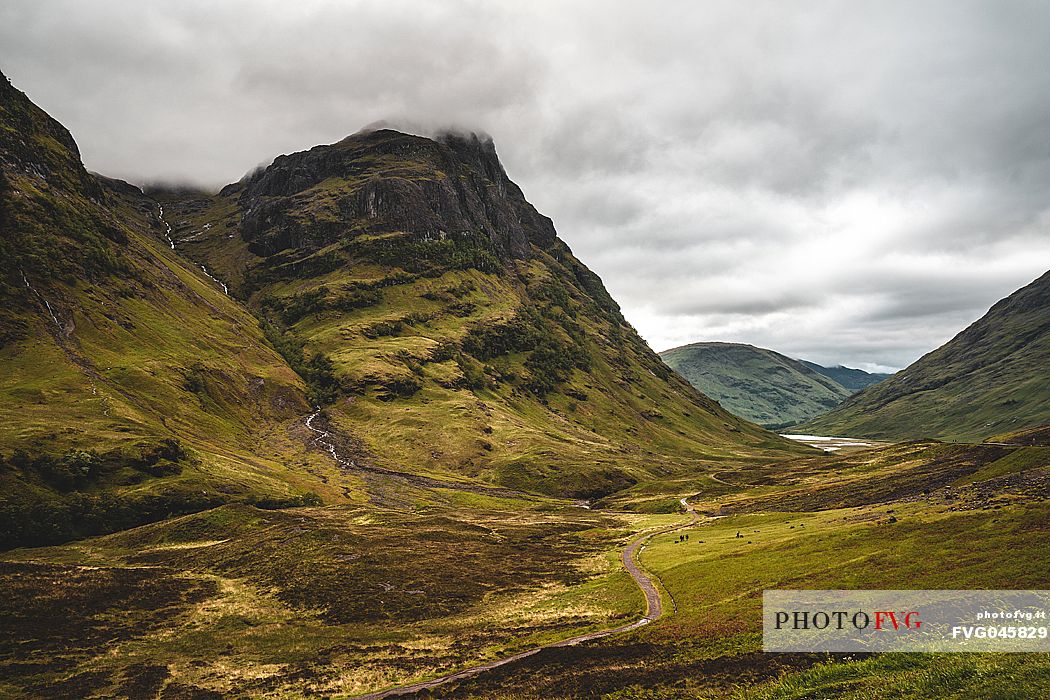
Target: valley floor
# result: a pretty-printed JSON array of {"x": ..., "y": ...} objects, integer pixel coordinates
[{"x": 349, "y": 600}]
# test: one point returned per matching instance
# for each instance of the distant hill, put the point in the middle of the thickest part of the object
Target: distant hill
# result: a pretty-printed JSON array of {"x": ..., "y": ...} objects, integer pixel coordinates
[
  {"x": 989, "y": 379},
  {"x": 761, "y": 385},
  {"x": 852, "y": 379}
]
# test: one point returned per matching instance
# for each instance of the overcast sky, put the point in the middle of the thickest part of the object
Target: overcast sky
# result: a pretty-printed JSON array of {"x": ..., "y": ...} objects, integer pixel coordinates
[{"x": 849, "y": 182}]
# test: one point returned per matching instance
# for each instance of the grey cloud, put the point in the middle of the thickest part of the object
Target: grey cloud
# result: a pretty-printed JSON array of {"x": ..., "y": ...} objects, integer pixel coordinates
[{"x": 838, "y": 181}]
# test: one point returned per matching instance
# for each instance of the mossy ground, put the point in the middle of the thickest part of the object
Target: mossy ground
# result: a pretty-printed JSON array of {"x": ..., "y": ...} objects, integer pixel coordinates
[
  {"x": 334, "y": 600},
  {"x": 341, "y": 600}
]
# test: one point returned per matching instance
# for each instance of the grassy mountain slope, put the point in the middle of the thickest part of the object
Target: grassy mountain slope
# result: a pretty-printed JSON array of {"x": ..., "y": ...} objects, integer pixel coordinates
[
  {"x": 132, "y": 387},
  {"x": 989, "y": 379},
  {"x": 852, "y": 379},
  {"x": 757, "y": 384},
  {"x": 447, "y": 326}
]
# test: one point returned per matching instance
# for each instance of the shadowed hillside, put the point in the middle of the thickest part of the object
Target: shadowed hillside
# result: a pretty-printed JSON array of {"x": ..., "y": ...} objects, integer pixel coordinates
[{"x": 132, "y": 387}]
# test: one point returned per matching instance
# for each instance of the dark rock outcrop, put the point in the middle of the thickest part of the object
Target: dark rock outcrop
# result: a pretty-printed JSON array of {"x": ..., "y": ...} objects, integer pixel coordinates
[{"x": 391, "y": 182}]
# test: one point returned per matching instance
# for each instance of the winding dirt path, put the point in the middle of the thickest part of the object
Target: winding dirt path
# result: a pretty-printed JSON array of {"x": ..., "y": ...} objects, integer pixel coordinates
[
  {"x": 713, "y": 476},
  {"x": 654, "y": 608}
]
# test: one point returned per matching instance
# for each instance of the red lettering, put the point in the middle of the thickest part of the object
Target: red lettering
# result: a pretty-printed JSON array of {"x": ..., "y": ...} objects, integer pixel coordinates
[{"x": 881, "y": 615}]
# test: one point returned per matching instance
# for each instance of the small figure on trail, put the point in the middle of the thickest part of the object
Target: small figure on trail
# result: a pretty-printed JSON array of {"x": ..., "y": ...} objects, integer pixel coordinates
[{"x": 738, "y": 534}]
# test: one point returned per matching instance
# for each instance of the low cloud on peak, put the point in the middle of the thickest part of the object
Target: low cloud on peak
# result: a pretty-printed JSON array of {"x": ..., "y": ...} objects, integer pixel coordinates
[{"x": 846, "y": 183}]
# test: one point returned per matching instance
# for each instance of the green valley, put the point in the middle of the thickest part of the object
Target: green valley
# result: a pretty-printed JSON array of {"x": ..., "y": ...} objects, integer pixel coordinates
[
  {"x": 345, "y": 600},
  {"x": 361, "y": 425},
  {"x": 914, "y": 515}
]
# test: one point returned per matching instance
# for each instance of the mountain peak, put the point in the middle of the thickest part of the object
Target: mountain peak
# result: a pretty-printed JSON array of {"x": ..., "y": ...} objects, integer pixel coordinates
[
  {"x": 34, "y": 143},
  {"x": 452, "y": 187},
  {"x": 416, "y": 288}
]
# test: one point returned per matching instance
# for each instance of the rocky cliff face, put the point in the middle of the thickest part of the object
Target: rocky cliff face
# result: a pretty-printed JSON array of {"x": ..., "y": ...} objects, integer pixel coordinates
[
  {"x": 467, "y": 195},
  {"x": 35, "y": 144}
]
